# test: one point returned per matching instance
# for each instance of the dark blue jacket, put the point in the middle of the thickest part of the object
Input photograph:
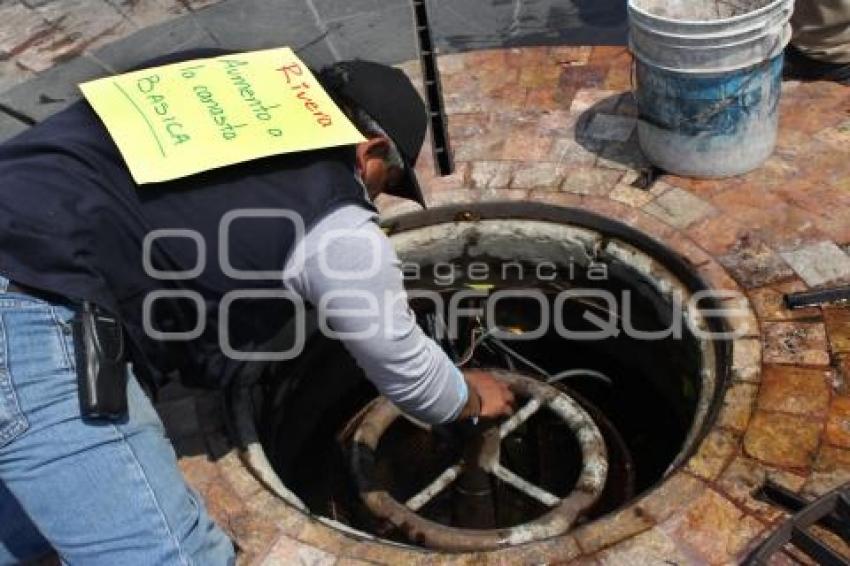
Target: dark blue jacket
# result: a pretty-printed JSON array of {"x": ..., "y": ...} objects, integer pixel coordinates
[{"x": 72, "y": 222}]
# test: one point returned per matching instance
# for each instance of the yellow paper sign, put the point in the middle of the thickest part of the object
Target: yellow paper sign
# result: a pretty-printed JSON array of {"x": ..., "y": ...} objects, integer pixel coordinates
[{"x": 185, "y": 118}]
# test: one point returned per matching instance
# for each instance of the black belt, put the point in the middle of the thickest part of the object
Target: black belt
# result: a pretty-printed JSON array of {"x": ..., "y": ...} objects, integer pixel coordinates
[
  {"x": 47, "y": 296},
  {"x": 13, "y": 287}
]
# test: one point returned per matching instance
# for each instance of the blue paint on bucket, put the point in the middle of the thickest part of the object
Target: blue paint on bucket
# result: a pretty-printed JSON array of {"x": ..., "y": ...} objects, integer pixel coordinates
[{"x": 722, "y": 104}]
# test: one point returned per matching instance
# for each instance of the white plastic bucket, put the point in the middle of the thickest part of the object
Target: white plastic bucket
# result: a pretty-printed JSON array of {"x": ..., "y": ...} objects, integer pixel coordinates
[{"x": 708, "y": 81}]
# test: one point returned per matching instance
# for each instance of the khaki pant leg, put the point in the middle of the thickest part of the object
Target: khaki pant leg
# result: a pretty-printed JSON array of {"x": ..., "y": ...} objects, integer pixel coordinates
[{"x": 822, "y": 29}]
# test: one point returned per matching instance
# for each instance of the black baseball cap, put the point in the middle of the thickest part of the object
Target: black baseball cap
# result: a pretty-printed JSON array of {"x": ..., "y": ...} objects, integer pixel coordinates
[{"x": 390, "y": 99}]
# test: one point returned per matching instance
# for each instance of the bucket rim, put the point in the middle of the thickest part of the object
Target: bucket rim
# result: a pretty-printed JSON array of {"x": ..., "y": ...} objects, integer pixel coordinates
[
  {"x": 707, "y": 71},
  {"x": 742, "y": 17},
  {"x": 785, "y": 38}
]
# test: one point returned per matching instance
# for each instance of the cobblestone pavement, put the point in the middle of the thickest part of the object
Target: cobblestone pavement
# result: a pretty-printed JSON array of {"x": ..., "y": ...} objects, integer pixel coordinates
[
  {"x": 557, "y": 125},
  {"x": 48, "y": 46}
]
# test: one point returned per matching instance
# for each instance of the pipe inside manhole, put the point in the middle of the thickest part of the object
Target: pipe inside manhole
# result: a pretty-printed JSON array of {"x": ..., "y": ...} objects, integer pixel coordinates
[{"x": 610, "y": 318}]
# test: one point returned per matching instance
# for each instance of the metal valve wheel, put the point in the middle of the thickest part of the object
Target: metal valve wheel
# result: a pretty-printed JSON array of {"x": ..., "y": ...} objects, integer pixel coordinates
[{"x": 481, "y": 457}]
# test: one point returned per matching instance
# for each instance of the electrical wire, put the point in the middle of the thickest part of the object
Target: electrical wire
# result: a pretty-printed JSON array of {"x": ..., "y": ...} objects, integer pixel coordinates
[
  {"x": 570, "y": 373},
  {"x": 519, "y": 357},
  {"x": 474, "y": 344}
]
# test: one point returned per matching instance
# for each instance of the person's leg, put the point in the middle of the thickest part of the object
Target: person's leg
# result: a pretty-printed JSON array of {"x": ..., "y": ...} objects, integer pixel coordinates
[
  {"x": 822, "y": 29},
  {"x": 20, "y": 540},
  {"x": 100, "y": 492}
]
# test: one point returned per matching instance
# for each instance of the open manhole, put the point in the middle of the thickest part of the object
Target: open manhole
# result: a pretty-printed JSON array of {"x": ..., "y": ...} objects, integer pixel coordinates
[{"x": 575, "y": 306}]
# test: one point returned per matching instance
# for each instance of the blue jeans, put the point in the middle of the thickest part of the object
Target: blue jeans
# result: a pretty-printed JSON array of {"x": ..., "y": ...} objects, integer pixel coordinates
[{"x": 97, "y": 492}]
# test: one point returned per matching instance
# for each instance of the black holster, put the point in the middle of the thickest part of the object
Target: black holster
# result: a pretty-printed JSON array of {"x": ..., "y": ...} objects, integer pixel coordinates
[{"x": 101, "y": 364}]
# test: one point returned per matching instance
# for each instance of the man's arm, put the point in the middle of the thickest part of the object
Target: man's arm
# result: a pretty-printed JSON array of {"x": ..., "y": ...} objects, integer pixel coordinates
[{"x": 352, "y": 275}]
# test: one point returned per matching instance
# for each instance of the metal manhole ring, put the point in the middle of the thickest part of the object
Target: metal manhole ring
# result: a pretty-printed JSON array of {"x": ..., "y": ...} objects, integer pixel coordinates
[{"x": 425, "y": 532}]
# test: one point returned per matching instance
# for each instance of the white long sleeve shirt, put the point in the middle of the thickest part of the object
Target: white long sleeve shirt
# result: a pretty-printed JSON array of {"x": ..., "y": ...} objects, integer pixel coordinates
[{"x": 349, "y": 271}]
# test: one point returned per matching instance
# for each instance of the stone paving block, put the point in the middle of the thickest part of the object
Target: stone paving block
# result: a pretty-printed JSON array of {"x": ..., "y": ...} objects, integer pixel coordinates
[
  {"x": 22, "y": 26},
  {"x": 177, "y": 35},
  {"x": 317, "y": 54},
  {"x": 746, "y": 360},
  {"x": 458, "y": 24},
  {"x": 599, "y": 100},
  {"x": 841, "y": 377},
  {"x": 717, "y": 277},
  {"x": 838, "y": 423},
  {"x": 259, "y": 24},
  {"x": 612, "y": 528},
  {"x": 491, "y": 174},
  {"x": 198, "y": 471},
  {"x": 668, "y": 498},
  {"x": 586, "y": 181},
  {"x": 12, "y": 74},
  {"x": 539, "y": 176},
  {"x": 743, "y": 477},
  {"x": 787, "y": 441},
  {"x": 651, "y": 547},
  {"x": 54, "y": 90},
  {"x": 288, "y": 551},
  {"x": 288, "y": 519},
  {"x": 149, "y": 12},
  {"x": 719, "y": 234},
  {"x": 609, "y": 127},
  {"x": 567, "y": 151},
  {"x": 197, "y": 5},
  {"x": 78, "y": 24},
  {"x": 819, "y": 263},
  {"x": 243, "y": 483},
  {"x": 385, "y": 554},
  {"x": 254, "y": 535},
  {"x": 789, "y": 227},
  {"x": 330, "y": 10},
  {"x": 9, "y": 127},
  {"x": 527, "y": 146},
  {"x": 712, "y": 456},
  {"x": 838, "y": 328},
  {"x": 737, "y": 408},
  {"x": 571, "y": 55},
  {"x": 623, "y": 155},
  {"x": 483, "y": 148},
  {"x": 631, "y": 196},
  {"x": 831, "y": 470},
  {"x": 795, "y": 343},
  {"x": 769, "y": 302},
  {"x": 754, "y": 264},
  {"x": 464, "y": 25},
  {"x": 740, "y": 317},
  {"x": 716, "y": 528},
  {"x": 385, "y": 36},
  {"x": 563, "y": 548},
  {"x": 796, "y": 390},
  {"x": 679, "y": 208},
  {"x": 591, "y": 76},
  {"x": 324, "y": 536}
]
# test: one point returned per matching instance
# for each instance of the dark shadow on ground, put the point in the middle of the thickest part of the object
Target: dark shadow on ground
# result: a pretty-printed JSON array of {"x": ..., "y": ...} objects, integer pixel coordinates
[{"x": 609, "y": 129}]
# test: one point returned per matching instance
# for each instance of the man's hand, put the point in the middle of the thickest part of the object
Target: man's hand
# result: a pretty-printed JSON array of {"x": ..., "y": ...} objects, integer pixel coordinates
[{"x": 489, "y": 398}]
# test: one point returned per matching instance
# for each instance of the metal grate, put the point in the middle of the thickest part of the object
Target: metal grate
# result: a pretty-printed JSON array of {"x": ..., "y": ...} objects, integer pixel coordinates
[
  {"x": 443, "y": 160},
  {"x": 831, "y": 512}
]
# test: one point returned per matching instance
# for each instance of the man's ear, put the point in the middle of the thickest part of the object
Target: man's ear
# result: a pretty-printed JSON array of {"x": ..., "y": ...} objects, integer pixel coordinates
[{"x": 374, "y": 148}]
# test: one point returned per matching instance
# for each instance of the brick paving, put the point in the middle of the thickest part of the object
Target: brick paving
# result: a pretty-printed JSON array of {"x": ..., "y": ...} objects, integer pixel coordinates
[{"x": 552, "y": 124}]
